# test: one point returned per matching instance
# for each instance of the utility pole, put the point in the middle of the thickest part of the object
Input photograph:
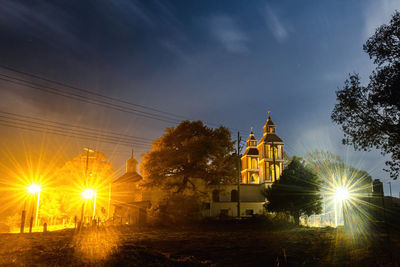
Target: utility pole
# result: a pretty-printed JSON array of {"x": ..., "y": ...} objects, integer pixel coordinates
[
  {"x": 87, "y": 163},
  {"x": 239, "y": 174},
  {"x": 109, "y": 201},
  {"x": 86, "y": 184},
  {"x": 23, "y": 216}
]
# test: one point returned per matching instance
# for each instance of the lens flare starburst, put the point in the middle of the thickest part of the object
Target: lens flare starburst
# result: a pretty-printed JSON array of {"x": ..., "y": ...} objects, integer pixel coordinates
[
  {"x": 34, "y": 188},
  {"x": 342, "y": 193},
  {"x": 88, "y": 193}
]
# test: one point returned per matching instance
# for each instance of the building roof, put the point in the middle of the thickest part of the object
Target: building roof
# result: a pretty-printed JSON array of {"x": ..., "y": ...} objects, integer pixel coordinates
[
  {"x": 129, "y": 177},
  {"x": 251, "y": 151},
  {"x": 269, "y": 121},
  {"x": 270, "y": 137},
  {"x": 251, "y": 136}
]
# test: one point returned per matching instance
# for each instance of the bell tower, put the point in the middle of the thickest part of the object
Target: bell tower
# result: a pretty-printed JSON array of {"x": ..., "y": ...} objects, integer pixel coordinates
[
  {"x": 270, "y": 159},
  {"x": 250, "y": 161},
  {"x": 131, "y": 164}
]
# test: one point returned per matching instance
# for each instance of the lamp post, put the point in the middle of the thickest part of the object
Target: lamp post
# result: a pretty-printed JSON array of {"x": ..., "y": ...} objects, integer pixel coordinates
[
  {"x": 34, "y": 189},
  {"x": 88, "y": 194},
  {"x": 341, "y": 194},
  {"x": 23, "y": 216}
]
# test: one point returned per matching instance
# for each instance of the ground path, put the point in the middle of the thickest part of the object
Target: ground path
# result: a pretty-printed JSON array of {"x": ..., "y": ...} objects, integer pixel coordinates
[{"x": 129, "y": 246}]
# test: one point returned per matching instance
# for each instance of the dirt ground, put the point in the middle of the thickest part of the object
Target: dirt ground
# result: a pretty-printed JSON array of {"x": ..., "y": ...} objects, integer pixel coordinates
[{"x": 245, "y": 246}]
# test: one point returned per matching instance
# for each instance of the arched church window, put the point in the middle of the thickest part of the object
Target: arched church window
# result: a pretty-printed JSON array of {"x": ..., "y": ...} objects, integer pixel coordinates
[
  {"x": 254, "y": 163},
  {"x": 272, "y": 172},
  {"x": 234, "y": 195},
  {"x": 215, "y": 195},
  {"x": 256, "y": 178},
  {"x": 251, "y": 179}
]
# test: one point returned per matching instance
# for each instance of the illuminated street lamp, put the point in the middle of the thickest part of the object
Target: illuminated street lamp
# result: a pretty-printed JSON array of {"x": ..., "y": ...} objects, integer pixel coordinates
[
  {"x": 35, "y": 189},
  {"x": 88, "y": 194},
  {"x": 341, "y": 194}
]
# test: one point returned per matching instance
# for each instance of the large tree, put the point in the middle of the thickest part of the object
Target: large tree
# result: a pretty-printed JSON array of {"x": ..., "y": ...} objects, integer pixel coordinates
[
  {"x": 296, "y": 192},
  {"x": 370, "y": 115},
  {"x": 91, "y": 170},
  {"x": 190, "y": 150}
]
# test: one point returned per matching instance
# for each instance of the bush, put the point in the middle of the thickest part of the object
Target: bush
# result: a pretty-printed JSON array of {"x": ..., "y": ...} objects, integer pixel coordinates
[{"x": 179, "y": 209}]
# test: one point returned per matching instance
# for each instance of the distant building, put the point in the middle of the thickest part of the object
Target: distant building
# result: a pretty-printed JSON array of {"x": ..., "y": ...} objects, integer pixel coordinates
[
  {"x": 127, "y": 196},
  {"x": 261, "y": 165}
]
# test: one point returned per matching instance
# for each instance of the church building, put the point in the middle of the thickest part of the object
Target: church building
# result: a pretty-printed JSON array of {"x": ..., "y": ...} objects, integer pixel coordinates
[
  {"x": 261, "y": 165},
  {"x": 263, "y": 162}
]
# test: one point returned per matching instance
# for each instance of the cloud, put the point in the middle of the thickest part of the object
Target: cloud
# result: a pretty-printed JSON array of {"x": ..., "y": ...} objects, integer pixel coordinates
[
  {"x": 275, "y": 25},
  {"x": 378, "y": 13},
  {"x": 41, "y": 21},
  {"x": 226, "y": 31},
  {"x": 128, "y": 11}
]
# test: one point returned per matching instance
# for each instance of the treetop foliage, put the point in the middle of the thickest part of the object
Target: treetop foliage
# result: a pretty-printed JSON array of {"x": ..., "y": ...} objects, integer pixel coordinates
[
  {"x": 370, "y": 115},
  {"x": 190, "y": 150},
  {"x": 296, "y": 192}
]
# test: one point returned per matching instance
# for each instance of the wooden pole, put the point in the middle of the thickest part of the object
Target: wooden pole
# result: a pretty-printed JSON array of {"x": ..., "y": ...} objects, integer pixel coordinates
[
  {"x": 239, "y": 174},
  {"x": 23, "y": 221}
]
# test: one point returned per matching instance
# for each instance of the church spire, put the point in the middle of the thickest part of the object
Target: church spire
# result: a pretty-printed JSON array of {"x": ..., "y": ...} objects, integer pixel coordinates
[
  {"x": 269, "y": 126},
  {"x": 251, "y": 141}
]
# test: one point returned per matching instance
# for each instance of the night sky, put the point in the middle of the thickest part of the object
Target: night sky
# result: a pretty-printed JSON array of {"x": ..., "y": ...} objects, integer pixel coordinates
[{"x": 224, "y": 62}]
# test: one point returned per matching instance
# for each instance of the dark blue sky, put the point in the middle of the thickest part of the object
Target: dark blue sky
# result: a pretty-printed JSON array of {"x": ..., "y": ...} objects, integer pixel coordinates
[{"x": 226, "y": 62}]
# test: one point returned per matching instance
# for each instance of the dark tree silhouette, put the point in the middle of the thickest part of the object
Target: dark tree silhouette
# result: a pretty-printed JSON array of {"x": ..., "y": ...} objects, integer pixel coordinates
[
  {"x": 191, "y": 150},
  {"x": 296, "y": 192},
  {"x": 370, "y": 115}
]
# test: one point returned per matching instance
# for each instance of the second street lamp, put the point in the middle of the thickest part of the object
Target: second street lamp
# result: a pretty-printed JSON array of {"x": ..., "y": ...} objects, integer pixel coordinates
[
  {"x": 88, "y": 194},
  {"x": 341, "y": 194},
  {"x": 35, "y": 189}
]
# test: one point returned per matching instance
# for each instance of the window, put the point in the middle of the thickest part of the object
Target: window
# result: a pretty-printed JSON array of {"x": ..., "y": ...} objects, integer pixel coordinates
[
  {"x": 206, "y": 206},
  {"x": 272, "y": 172},
  {"x": 254, "y": 163},
  {"x": 255, "y": 178},
  {"x": 249, "y": 212},
  {"x": 251, "y": 181},
  {"x": 224, "y": 212},
  {"x": 215, "y": 195},
  {"x": 234, "y": 196},
  {"x": 272, "y": 149}
]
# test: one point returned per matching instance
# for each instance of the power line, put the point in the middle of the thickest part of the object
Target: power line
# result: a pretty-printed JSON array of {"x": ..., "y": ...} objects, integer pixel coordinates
[
  {"x": 62, "y": 134},
  {"x": 90, "y": 92},
  {"x": 88, "y": 100},
  {"x": 93, "y": 133},
  {"x": 119, "y": 107},
  {"x": 72, "y": 125},
  {"x": 43, "y": 127}
]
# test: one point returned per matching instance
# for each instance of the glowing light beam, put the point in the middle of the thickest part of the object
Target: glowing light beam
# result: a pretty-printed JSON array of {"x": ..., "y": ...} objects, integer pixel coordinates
[{"x": 342, "y": 193}]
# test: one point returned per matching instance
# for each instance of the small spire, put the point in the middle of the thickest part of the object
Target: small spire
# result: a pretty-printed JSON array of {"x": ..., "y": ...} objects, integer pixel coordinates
[
  {"x": 132, "y": 154},
  {"x": 251, "y": 129},
  {"x": 269, "y": 111}
]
